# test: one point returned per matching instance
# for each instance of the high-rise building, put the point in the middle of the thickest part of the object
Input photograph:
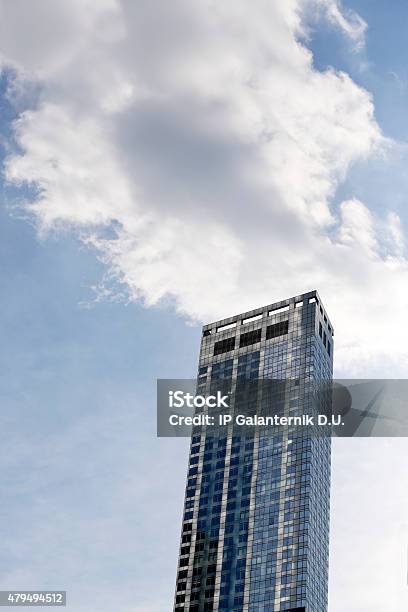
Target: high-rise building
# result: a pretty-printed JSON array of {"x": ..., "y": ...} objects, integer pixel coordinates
[{"x": 255, "y": 532}]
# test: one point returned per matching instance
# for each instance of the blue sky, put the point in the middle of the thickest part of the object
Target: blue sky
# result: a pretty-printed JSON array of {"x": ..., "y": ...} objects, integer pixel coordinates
[
  {"x": 381, "y": 68},
  {"x": 78, "y": 397},
  {"x": 91, "y": 499}
]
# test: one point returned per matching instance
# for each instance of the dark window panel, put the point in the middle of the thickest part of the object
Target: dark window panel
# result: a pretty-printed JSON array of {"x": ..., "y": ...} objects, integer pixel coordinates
[
  {"x": 223, "y": 346},
  {"x": 250, "y": 337},
  {"x": 276, "y": 330}
]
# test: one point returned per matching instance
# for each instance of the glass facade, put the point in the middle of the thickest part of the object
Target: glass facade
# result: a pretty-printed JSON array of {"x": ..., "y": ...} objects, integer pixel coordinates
[{"x": 255, "y": 532}]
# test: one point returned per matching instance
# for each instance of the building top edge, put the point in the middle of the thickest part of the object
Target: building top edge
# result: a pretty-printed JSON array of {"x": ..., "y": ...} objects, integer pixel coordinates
[{"x": 265, "y": 310}]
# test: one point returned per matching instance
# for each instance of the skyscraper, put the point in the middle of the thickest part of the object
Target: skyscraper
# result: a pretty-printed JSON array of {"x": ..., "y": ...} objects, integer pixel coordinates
[{"x": 255, "y": 532}]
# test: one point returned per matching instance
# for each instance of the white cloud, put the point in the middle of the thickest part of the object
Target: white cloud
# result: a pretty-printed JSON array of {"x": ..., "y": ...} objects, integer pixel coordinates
[
  {"x": 196, "y": 147},
  {"x": 357, "y": 228},
  {"x": 396, "y": 234}
]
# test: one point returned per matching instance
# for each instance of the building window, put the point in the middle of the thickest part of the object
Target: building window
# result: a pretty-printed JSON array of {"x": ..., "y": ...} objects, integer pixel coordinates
[
  {"x": 250, "y": 338},
  {"x": 276, "y": 330},
  {"x": 223, "y": 346}
]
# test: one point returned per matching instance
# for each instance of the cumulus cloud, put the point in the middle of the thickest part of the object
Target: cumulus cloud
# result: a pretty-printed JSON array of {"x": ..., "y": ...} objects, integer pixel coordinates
[{"x": 196, "y": 147}]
